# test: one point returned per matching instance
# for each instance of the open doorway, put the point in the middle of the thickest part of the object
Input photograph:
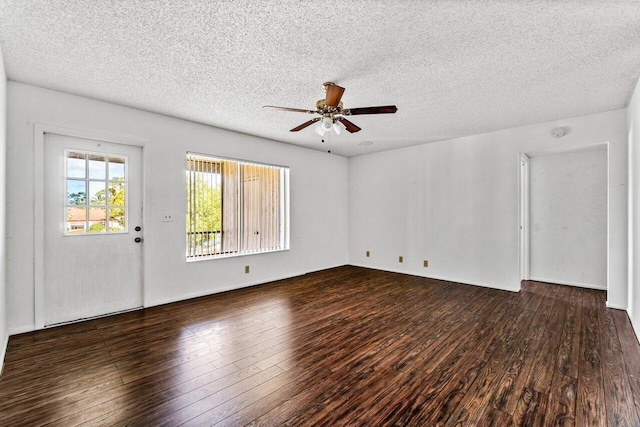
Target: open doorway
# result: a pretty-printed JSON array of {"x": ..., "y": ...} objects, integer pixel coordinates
[{"x": 563, "y": 216}]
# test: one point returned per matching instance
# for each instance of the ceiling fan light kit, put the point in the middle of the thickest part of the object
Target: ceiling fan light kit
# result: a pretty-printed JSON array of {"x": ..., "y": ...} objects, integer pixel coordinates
[
  {"x": 325, "y": 125},
  {"x": 332, "y": 113},
  {"x": 336, "y": 128}
]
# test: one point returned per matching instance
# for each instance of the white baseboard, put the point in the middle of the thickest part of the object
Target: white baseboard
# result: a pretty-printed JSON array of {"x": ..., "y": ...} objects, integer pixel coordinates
[
  {"x": 205, "y": 293},
  {"x": 562, "y": 282},
  {"x": 446, "y": 279},
  {"x": 30, "y": 328},
  {"x": 235, "y": 287},
  {"x": 616, "y": 306},
  {"x": 21, "y": 329}
]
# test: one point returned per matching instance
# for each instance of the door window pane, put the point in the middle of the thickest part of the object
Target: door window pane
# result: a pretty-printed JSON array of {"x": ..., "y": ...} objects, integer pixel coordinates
[
  {"x": 76, "y": 165},
  {"x": 117, "y": 193},
  {"x": 97, "y": 220},
  {"x": 76, "y": 192},
  {"x": 116, "y": 168},
  {"x": 76, "y": 220},
  {"x": 97, "y": 166},
  {"x": 97, "y": 193},
  {"x": 117, "y": 219}
]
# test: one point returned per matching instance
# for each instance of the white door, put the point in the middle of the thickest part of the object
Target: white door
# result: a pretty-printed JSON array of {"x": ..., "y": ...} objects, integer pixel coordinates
[{"x": 92, "y": 219}]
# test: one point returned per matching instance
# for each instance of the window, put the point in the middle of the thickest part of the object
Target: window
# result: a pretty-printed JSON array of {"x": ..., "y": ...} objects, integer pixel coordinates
[
  {"x": 235, "y": 207},
  {"x": 96, "y": 193}
]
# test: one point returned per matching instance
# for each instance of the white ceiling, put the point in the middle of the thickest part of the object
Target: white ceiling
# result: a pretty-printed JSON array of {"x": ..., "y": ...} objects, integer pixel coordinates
[{"x": 453, "y": 68}]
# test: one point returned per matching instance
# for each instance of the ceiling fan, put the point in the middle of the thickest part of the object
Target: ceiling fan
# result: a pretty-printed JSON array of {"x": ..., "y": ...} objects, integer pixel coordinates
[{"x": 331, "y": 112}]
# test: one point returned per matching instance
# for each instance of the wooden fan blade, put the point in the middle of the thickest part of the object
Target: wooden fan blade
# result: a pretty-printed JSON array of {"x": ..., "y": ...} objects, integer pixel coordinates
[
  {"x": 305, "y": 124},
  {"x": 350, "y": 126},
  {"x": 296, "y": 110},
  {"x": 333, "y": 96},
  {"x": 386, "y": 109}
]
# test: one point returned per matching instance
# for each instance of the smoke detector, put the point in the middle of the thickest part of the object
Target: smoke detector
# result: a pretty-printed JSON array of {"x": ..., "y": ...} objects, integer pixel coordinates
[{"x": 558, "y": 132}]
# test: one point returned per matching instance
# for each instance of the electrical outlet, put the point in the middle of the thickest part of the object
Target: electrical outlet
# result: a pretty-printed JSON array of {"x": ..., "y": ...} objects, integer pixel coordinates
[
  {"x": 425, "y": 263},
  {"x": 246, "y": 269},
  {"x": 399, "y": 259},
  {"x": 368, "y": 254},
  {"x": 167, "y": 217}
]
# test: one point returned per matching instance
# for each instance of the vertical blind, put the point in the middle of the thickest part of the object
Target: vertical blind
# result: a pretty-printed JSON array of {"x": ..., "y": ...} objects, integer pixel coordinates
[{"x": 234, "y": 207}]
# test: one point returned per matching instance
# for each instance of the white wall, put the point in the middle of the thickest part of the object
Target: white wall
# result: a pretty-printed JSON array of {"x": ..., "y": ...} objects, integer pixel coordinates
[
  {"x": 568, "y": 217},
  {"x": 319, "y": 191},
  {"x": 633, "y": 122},
  {"x": 4, "y": 335},
  {"x": 455, "y": 203}
]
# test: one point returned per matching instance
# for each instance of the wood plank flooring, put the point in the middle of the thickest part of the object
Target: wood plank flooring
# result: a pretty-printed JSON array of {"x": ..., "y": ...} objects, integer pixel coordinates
[{"x": 345, "y": 346}]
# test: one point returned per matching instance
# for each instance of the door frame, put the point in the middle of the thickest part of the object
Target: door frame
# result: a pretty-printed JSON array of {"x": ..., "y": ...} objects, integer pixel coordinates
[
  {"x": 40, "y": 130},
  {"x": 523, "y": 212}
]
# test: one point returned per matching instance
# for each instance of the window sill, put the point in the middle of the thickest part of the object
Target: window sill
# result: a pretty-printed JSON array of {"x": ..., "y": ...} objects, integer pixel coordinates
[{"x": 234, "y": 255}]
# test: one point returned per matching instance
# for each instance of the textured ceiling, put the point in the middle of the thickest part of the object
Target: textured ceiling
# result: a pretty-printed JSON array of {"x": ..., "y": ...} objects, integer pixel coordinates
[{"x": 453, "y": 68}]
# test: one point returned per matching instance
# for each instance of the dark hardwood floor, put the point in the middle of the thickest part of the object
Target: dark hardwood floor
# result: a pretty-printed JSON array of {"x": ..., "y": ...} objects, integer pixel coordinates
[{"x": 346, "y": 346}]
